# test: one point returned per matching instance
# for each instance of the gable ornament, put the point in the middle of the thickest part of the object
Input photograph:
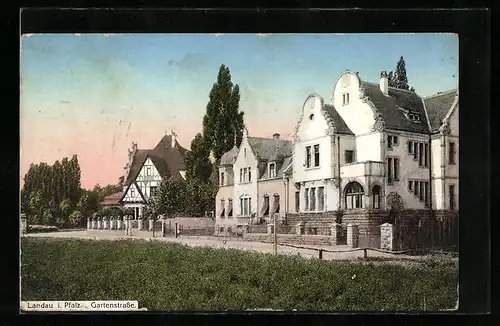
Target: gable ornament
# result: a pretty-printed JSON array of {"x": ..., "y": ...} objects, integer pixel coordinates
[
  {"x": 379, "y": 124},
  {"x": 445, "y": 129}
]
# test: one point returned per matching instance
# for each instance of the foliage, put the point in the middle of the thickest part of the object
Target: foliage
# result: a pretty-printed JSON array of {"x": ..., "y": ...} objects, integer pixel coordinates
[
  {"x": 223, "y": 122},
  {"x": 76, "y": 218},
  {"x": 171, "y": 198},
  {"x": 398, "y": 79},
  {"x": 164, "y": 276}
]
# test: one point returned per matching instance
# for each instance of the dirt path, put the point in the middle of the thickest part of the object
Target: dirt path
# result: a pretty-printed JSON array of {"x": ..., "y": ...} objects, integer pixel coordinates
[{"x": 234, "y": 244}]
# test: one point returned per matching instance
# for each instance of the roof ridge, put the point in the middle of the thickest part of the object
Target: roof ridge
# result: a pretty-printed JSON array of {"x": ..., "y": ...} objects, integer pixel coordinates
[
  {"x": 441, "y": 93},
  {"x": 391, "y": 87}
]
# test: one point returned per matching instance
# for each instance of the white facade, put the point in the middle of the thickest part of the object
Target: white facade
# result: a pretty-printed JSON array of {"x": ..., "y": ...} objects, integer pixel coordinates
[{"x": 372, "y": 141}]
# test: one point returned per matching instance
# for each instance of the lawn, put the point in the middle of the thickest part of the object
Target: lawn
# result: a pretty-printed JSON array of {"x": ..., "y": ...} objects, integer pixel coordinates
[{"x": 165, "y": 276}]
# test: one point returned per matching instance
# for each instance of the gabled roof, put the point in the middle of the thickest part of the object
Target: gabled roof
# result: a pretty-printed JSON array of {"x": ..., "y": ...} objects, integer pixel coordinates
[
  {"x": 229, "y": 157},
  {"x": 339, "y": 123},
  {"x": 270, "y": 149},
  {"x": 113, "y": 199},
  {"x": 390, "y": 107},
  {"x": 437, "y": 106},
  {"x": 168, "y": 160}
]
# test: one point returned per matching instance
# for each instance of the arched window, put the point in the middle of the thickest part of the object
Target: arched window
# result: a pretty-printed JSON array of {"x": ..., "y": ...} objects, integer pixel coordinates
[
  {"x": 376, "y": 191},
  {"x": 354, "y": 195}
]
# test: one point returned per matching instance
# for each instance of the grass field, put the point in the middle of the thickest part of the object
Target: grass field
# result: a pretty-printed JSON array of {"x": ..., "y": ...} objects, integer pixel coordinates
[{"x": 163, "y": 276}]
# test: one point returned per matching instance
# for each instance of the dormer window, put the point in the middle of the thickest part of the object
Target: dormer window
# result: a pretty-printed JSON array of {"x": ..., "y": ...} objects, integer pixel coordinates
[
  {"x": 345, "y": 98},
  {"x": 272, "y": 170},
  {"x": 414, "y": 117}
]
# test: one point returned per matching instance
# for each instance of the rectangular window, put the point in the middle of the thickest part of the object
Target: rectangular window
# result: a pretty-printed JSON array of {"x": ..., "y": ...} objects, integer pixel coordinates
[
  {"x": 426, "y": 155},
  {"x": 306, "y": 199},
  {"x": 222, "y": 208},
  {"x": 272, "y": 170},
  {"x": 276, "y": 204},
  {"x": 297, "y": 201},
  {"x": 222, "y": 178},
  {"x": 308, "y": 156},
  {"x": 396, "y": 169},
  {"x": 241, "y": 206},
  {"x": 376, "y": 199},
  {"x": 132, "y": 192},
  {"x": 426, "y": 194},
  {"x": 451, "y": 153},
  {"x": 349, "y": 156},
  {"x": 415, "y": 150},
  {"x": 321, "y": 198},
  {"x": 420, "y": 154},
  {"x": 345, "y": 98},
  {"x": 152, "y": 191},
  {"x": 416, "y": 188},
  {"x": 389, "y": 142},
  {"x": 316, "y": 155},
  {"x": 148, "y": 171},
  {"x": 265, "y": 207},
  {"x": 241, "y": 175},
  {"x": 389, "y": 169},
  {"x": 452, "y": 197},
  {"x": 421, "y": 194},
  {"x": 245, "y": 206},
  {"x": 230, "y": 207},
  {"x": 395, "y": 140},
  {"x": 245, "y": 175},
  {"x": 249, "y": 174},
  {"x": 410, "y": 185},
  {"x": 410, "y": 147},
  {"x": 313, "y": 199}
]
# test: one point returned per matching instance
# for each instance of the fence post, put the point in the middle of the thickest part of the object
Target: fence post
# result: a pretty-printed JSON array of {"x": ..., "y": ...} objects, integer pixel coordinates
[
  {"x": 365, "y": 254},
  {"x": 321, "y": 254}
]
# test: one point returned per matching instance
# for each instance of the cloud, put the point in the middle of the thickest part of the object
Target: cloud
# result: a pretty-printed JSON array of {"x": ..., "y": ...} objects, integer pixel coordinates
[{"x": 191, "y": 62}]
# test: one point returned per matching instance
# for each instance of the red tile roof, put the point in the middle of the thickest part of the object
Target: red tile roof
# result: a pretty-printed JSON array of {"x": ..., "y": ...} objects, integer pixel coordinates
[{"x": 113, "y": 199}]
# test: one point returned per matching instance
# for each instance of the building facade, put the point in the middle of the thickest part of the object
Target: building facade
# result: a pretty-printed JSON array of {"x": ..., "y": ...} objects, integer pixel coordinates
[
  {"x": 147, "y": 168},
  {"x": 372, "y": 150}
]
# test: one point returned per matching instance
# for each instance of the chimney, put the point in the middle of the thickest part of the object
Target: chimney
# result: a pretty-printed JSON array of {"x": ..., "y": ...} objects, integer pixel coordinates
[
  {"x": 276, "y": 136},
  {"x": 174, "y": 135},
  {"x": 384, "y": 83}
]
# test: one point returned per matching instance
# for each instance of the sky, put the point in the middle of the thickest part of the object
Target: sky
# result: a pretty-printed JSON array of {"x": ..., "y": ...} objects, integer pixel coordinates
[{"x": 94, "y": 94}]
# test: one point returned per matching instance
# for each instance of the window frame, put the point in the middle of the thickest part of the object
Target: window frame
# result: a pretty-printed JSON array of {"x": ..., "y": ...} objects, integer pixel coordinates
[
  {"x": 451, "y": 153},
  {"x": 355, "y": 198},
  {"x": 451, "y": 197},
  {"x": 151, "y": 188},
  {"x": 316, "y": 153},
  {"x": 346, "y": 152},
  {"x": 321, "y": 198},
  {"x": 221, "y": 179},
  {"x": 271, "y": 172},
  {"x": 297, "y": 201},
  {"x": 308, "y": 156},
  {"x": 306, "y": 199},
  {"x": 312, "y": 201},
  {"x": 376, "y": 201}
]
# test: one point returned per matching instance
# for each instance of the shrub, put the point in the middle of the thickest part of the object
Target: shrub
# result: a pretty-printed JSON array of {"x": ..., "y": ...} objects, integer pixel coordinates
[
  {"x": 163, "y": 276},
  {"x": 41, "y": 228}
]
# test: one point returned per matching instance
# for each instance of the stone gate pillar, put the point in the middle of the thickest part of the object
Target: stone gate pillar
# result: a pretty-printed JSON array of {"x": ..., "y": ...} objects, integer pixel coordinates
[
  {"x": 335, "y": 233},
  {"x": 352, "y": 235},
  {"x": 387, "y": 237}
]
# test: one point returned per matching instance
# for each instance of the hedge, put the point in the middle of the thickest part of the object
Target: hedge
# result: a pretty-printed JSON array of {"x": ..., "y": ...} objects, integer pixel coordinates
[{"x": 163, "y": 276}]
